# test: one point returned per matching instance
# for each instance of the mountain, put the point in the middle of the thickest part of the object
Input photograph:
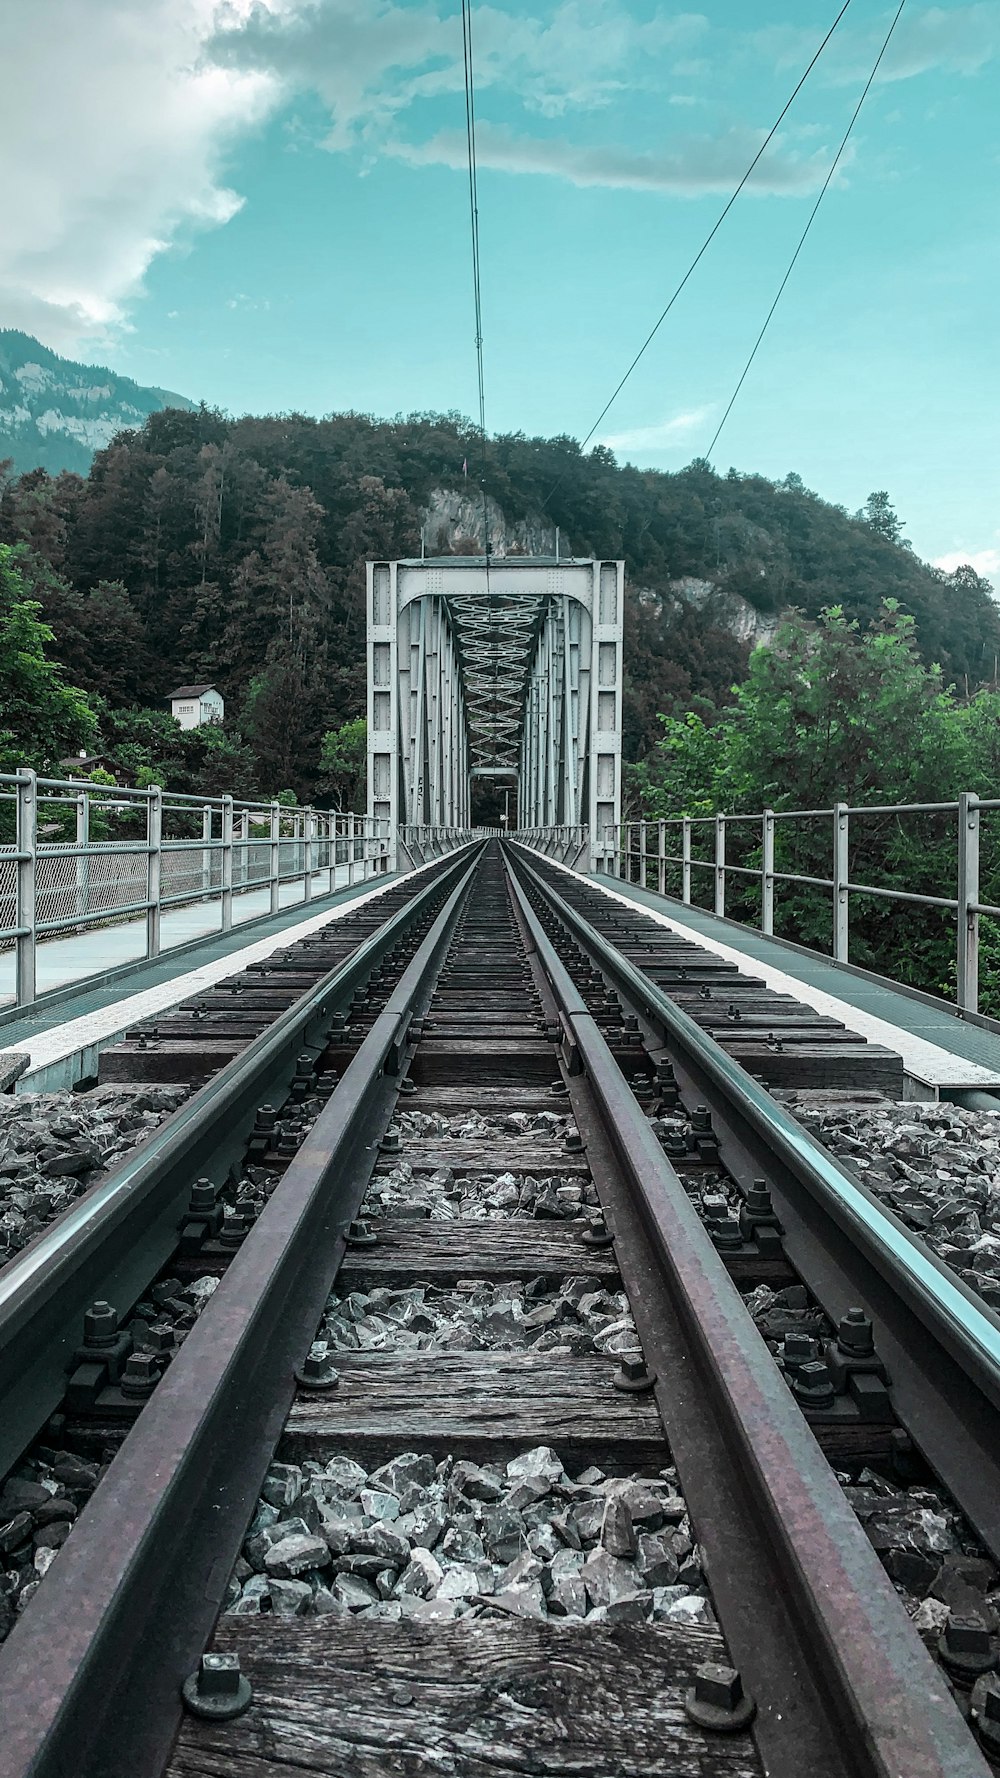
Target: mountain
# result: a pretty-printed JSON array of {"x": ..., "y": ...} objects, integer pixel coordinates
[{"x": 55, "y": 414}]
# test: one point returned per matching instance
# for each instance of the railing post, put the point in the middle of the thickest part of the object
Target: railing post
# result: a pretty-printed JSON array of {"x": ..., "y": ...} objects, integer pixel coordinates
[
  {"x": 274, "y": 857},
  {"x": 308, "y": 822},
  {"x": 207, "y": 818},
  {"x": 841, "y": 878},
  {"x": 967, "y": 960},
  {"x": 661, "y": 857},
  {"x": 720, "y": 864},
  {"x": 241, "y": 864},
  {"x": 686, "y": 860},
  {"x": 83, "y": 856},
  {"x": 26, "y": 914},
  {"x": 767, "y": 872},
  {"x": 227, "y": 863},
  {"x": 351, "y": 820},
  {"x": 331, "y": 852},
  {"x": 154, "y": 842},
  {"x": 642, "y": 854}
]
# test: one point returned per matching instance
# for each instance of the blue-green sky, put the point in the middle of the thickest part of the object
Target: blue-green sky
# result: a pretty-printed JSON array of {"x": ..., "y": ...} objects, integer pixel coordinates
[{"x": 266, "y": 206}]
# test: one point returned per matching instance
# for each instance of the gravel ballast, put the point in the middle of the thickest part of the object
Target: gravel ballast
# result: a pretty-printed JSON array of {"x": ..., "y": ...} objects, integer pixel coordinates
[
  {"x": 55, "y": 1146},
  {"x": 415, "y": 1538},
  {"x": 936, "y": 1166},
  {"x": 478, "y": 1315}
]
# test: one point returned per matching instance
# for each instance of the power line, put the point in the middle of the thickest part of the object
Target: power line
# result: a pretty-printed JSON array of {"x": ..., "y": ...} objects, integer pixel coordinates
[
  {"x": 709, "y": 238},
  {"x": 470, "y": 134},
  {"x": 812, "y": 217}
]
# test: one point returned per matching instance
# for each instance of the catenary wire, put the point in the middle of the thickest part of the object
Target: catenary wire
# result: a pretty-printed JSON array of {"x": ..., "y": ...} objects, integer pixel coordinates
[
  {"x": 470, "y": 133},
  {"x": 805, "y": 232},
  {"x": 707, "y": 242}
]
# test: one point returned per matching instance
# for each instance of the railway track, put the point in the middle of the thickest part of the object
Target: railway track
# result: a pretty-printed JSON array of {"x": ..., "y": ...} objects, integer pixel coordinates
[{"x": 474, "y": 1443}]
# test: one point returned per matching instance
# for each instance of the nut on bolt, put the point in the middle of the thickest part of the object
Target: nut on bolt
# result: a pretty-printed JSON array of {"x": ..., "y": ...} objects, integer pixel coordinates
[
  {"x": 597, "y": 1233},
  {"x": 812, "y": 1384},
  {"x": 984, "y": 1711},
  {"x": 968, "y": 1644},
  {"x": 317, "y": 1370},
  {"x": 717, "y": 1700},
  {"x": 218, "y": 1691},
  {"x": 634, "y": 1376},
  {"x": 855, "y": 1334},
  {"x": 140, "y": 1376},
  {"x": 360, "y": 1234},
  {"x": 100, "y": 1325}
]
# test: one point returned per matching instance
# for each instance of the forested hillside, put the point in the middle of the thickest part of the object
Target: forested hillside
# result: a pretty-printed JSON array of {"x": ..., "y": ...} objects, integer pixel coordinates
[{"x": 202, "y": 548}]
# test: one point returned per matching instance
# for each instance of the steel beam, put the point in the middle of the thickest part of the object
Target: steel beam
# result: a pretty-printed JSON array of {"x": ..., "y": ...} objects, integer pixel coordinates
[{"x": 500, "y": 668}]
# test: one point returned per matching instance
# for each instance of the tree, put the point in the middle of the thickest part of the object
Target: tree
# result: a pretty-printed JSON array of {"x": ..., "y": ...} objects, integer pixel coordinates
[
  {"x": 831, "y": 713},
  {"x": 344, "y": 760},
  {"x": 42, "y": 719},
  {"x": 283, "y": 718},
  {"x": 879, "y": 515}
]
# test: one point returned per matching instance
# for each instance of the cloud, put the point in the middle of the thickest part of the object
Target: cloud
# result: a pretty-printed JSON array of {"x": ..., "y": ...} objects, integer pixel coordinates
[
  {"x": 371, "y": 60},
  {"x": 690, "y": 167},
  {"x": 984, "y": 561},
  {"x": 662, "y": 437},
  {"x": 112, "y": 140},
  {"x": 952, "y": 40}
]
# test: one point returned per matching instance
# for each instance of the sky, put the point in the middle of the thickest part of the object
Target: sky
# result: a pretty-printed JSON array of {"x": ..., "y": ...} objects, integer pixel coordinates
[{"x": 264, "y": 204}]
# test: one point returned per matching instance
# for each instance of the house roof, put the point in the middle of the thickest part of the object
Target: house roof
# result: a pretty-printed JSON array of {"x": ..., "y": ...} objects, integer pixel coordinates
[
  {"x": 75, "y": 765},
  {"x": 191, "y": 691}
]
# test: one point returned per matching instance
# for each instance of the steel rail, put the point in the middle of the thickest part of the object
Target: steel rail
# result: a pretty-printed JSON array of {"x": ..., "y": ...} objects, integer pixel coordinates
[
  {"x": 90, "y": 1677},
  {"x": 939, "y": 1340},
  {"x": 883, "y": 1706},
  {"x": 115, "y": 1238}
]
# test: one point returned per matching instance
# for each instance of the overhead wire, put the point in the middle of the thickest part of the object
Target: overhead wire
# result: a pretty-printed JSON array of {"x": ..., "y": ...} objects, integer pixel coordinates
[
  {"x": 470, "y": 134},
  {"x": 805, "y": 232},
  {"x": 707, "y": 242}
]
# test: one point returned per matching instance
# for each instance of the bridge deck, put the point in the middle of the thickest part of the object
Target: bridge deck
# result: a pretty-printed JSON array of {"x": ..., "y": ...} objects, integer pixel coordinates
[{"x": 939, "y": 1047}]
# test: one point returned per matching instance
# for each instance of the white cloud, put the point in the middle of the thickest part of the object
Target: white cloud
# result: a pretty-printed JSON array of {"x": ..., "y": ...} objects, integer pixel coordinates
[
  {"x": 953, "y": 40},
  {"x": 690, "y": 166},
  {"x": 112, "y": 139},
  {"x": 984, "y": 561},
  {"x": 662, "y": 437},
  {"x": 371, "y": 60}
]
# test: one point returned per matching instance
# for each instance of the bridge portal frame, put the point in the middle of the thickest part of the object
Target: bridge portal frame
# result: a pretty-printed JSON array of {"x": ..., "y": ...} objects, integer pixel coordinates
[{"x": 552, "y": 720}]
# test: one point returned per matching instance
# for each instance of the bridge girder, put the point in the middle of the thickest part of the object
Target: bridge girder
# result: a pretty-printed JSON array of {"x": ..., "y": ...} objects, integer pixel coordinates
[{"x": 510, "y": 667}]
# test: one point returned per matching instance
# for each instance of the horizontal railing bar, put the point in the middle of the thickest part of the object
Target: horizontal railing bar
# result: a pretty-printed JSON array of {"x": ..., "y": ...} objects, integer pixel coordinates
[
  {"x": 784, "y": 876},
  {"x": 935, "y": 901},
  {"x": 904, "y": 809}
]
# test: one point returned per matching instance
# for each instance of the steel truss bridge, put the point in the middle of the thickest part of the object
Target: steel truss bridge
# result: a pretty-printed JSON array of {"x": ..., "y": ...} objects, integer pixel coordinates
[{"x": 502, "y": 669}]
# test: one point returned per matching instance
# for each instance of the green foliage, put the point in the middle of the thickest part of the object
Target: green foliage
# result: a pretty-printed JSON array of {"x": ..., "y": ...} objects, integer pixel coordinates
[
  {"x": 41, "y": 717},
  {"x": 234, "y": 550},
  {"x": 344, "y": 759},
  {"x": 829, "y": 713},
  {"x": 878, "y": 513},
  {"x": 149, "y": 747}
]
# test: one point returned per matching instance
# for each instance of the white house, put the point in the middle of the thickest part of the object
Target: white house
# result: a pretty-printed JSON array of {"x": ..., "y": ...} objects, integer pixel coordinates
[{"x": 193, "y": 705}]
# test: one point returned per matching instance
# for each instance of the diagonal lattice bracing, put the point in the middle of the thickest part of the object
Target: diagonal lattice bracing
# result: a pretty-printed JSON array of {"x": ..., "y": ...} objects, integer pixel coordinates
[{"x": 509, "y": 668}]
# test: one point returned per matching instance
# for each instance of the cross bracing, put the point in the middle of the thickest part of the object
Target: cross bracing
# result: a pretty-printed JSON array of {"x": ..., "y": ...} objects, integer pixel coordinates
[{"x": 508, "y": 669}]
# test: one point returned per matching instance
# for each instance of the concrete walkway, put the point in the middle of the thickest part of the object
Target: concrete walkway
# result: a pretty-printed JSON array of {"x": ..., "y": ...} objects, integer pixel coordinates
[
  {"x": 61, "y": 1038},
  {"x": 59, "y": 961}
]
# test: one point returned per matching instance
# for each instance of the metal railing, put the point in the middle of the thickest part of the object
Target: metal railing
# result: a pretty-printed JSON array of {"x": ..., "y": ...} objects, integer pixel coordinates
[
  {"x": 74, "y": 855},
  {"x": 568, "y": 845},
  {"x": 420, "y": 845},
  {"x": 642, "y": 854}
]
